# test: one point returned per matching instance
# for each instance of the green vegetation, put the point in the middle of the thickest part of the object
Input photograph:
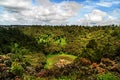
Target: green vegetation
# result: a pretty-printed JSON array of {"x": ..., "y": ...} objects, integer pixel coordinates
[
  {"x": 17, "y": 69},
  {"x": 60, "y": 52},
  {"x": 107, "y": 76},
  {"x": 53, "y": 59}
]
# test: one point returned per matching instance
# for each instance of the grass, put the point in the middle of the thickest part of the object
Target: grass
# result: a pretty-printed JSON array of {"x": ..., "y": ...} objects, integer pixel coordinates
[{"x": 52, "y": 59}]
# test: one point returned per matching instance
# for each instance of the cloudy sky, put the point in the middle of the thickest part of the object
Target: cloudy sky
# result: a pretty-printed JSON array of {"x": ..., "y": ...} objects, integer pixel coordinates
[{"x": 57, "y": 12}]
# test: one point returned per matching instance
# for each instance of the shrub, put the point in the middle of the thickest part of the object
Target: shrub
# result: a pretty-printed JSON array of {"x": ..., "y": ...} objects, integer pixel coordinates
[
  {"x": 8, "y": 63},
  {"x": 107, "y": 76},
  {"x": 17, "y": 69},
  {"x": 90, "y": 54},
  {"x": 29, "y": 77},
  {"x": 17, "y": 57},
  {"x": 1, "y": 52},
  {"x": 116, "y": 33},
  {"x": 92, "y": 44}
]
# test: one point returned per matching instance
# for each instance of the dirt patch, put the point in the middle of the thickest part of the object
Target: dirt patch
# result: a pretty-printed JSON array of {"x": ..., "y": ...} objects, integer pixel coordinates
[{"x": 62, "y": 63}]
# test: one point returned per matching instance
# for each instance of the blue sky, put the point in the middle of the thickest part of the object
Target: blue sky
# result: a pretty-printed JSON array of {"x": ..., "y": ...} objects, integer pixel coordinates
[{"x": 57, "y": 12}]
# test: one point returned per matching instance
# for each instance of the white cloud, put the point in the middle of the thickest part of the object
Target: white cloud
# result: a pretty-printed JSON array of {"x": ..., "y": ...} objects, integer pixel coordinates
[
  {"x": 97, "y": 17},
  {"x": 44, "y": 12},
  {"x": 108, "y": 3},
  {"x": 105, "y": 4},
  {"x": 115, "y": 13},
  {"x": 44, "y": 2},
  {"x": 15, "y": 5}
]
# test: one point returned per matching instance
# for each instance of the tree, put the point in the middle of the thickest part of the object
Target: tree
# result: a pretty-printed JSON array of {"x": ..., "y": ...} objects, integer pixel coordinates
[{"x": 92, "y": 44}]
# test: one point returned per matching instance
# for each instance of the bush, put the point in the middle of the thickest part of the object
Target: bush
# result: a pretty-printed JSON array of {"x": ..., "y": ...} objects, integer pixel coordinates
[
  {"x": 91, "y": 54},
  {"x": 8, "y": 63},
  {"x": 116, "y": 33},
  {"x": 1, "y": 52},
  {"x": 92, "y": 44},
  {"x": 17, "y": 69},
  {"x": 107, "y": 76},
  {"x": 17, "y": 57}
]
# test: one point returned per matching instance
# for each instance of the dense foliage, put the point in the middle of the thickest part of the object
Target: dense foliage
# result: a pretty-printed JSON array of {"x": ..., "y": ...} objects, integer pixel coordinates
[{"x": 24, "y": 51}]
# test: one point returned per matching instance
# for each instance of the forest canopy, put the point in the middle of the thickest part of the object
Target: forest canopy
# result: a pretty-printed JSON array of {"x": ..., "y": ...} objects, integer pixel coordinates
[{"x": 89, "y": 53}]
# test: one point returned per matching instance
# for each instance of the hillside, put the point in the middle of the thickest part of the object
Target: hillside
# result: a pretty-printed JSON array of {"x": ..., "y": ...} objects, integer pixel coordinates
[{"x": 60, "y": 53}]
